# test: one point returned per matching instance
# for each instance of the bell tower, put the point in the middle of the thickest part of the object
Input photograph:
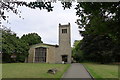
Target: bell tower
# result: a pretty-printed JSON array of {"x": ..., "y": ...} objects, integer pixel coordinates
[{"x": 65, "y": 42}]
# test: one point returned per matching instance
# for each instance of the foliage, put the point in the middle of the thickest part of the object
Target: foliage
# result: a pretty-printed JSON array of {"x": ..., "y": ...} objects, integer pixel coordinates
[
  {"x": 99, "y": 18},
  {"x": 99, "y": 48},
  {"x": 66, "y": 5},
  {"x": 31, "y": 38},
  {"x": 100, "y": 22},
  {"x": 77, "y": 54},
  {"x": 11, "y": 44},
  {"x": 13, "y": 6}
]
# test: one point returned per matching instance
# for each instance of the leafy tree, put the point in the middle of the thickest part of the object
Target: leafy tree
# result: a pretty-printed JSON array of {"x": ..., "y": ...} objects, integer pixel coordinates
[
  {"x": 11, "y": 44},
  {"x": 31, "y": 38},
  {"x": 98, "y": 48},
  {"x": 77, "y": 54},
  {"x": 100, "y": 22},
  {"x": 100, "y": 18},
  {"x": 13, "y": 6}
]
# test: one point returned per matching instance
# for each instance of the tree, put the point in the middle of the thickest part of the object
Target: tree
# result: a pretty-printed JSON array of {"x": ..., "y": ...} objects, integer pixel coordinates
[
  {"x": 100, "y": 22},
  {"x": 77, "y": 54},
  {"x": 104, "y": 14},
  {"x": 11, "y": 44},
  {"x": 13, "y": 6},
  {"x": 31, "y": 38},
  {"x": 98, "y": 48}
]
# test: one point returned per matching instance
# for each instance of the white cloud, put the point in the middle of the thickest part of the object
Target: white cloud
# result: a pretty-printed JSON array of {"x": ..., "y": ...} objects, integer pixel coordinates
[{"x": 44, "y": 23}]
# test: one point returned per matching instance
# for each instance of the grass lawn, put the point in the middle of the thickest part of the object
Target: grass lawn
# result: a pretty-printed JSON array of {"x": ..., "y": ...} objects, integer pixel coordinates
[
  {"x": 102, "y": 70},
  {"x": 32, "y": 70}
]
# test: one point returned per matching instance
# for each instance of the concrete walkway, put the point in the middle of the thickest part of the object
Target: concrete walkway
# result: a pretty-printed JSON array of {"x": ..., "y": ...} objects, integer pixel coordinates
[{"x": 77, "y": 70}]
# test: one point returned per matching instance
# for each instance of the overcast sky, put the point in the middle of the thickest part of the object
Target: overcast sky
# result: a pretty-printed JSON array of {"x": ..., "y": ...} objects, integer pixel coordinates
[{"x": 44, "y": 23}]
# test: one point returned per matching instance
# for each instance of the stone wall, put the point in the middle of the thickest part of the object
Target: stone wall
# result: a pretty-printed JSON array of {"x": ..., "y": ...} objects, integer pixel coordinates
[
  {"x": 31, "y": 55},
  {"x": 50, "y": 56},
  {"x": 65, "y": 42}
]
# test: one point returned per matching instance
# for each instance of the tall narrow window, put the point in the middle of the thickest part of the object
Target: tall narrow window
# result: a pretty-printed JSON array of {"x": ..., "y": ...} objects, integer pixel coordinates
[
  {"x": 40, "y": 54},
  {"x": 64, "y": 30}
]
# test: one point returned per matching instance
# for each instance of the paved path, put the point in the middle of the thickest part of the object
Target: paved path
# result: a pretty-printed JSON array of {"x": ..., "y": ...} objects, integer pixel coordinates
[{"x": 77, "y": 70}]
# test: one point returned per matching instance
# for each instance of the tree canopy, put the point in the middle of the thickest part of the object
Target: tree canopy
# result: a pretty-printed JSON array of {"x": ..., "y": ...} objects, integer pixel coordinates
[
  {"x": 77, "y": 53},
  {"x": 99, "y": 18},
  {"x": 13, "y": 45},
  {"x": 13, "y": 6},
  {"x": 31, "y": 38},
  {"x": 101, "y": 40}
]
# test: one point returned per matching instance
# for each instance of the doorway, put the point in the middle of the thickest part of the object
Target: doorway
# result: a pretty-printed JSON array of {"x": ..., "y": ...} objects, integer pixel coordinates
[{"x": 65, "y": 58}]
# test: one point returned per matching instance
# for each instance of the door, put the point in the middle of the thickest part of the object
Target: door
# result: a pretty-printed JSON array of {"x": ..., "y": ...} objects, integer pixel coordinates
[{"x": 64, "y": 58}]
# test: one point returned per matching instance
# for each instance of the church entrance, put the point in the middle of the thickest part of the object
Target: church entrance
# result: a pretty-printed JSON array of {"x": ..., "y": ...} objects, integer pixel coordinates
[
  {"x": 64, "y": 58},
  {"x": 40, "y": 54}
]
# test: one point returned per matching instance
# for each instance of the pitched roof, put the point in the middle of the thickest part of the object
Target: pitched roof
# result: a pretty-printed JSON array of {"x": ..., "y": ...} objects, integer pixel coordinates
[{"x": 44, "y": 44}]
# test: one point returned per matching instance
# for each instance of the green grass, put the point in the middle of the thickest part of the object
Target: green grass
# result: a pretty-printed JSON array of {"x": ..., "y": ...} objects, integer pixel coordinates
[
  {"x": 32, "y": 70},
  {"x": 0, "y": 71},
  {"x": 102, "y": 70}
]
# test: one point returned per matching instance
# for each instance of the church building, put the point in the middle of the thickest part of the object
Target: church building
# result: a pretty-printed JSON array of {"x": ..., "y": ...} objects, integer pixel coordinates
[{"x": 47, "y": 53}]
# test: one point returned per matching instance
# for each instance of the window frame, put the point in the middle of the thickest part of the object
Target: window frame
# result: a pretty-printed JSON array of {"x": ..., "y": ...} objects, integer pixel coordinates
[
  {"x": 64, "y": 30},
  {"x": 40, "y": 54}
]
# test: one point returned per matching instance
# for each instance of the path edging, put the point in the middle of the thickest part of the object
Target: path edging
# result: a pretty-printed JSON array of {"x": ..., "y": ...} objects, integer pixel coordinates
[{"x": 89, "y": 72}]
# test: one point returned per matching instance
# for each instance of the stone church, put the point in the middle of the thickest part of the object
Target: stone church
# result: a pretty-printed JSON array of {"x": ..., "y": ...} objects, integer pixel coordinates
[{"x": 47, "y": 53}]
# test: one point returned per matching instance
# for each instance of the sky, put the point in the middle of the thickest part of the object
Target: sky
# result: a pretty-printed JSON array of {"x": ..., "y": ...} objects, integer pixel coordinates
[{"x": 44, "y": 23}]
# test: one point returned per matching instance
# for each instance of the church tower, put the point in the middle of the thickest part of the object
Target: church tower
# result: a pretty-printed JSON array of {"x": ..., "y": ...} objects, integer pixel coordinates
[{"x": 65, "y": 42}]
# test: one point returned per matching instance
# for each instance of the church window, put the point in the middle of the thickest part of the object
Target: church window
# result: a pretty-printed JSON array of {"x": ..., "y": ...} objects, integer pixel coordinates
[
  {"x": 40, "y": 54},
  {"x": 64, "y": 30}
]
